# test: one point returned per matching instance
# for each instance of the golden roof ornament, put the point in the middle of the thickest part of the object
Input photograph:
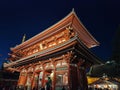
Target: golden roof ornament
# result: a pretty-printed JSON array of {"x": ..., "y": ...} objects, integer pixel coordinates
[{"x": 24, "y": 37}]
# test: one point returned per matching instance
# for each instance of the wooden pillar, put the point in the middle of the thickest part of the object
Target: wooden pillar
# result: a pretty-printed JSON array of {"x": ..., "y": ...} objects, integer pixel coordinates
[
  {"x": 43, "y": 79},
  {"x": 22, "y": 78},
  {"x": 54, "y": 79},
  {"x": 85, "y": 79},
  {"x": 33, "y": 79},
  {"x": 79, "y": 75},
  {"x": 69, "y": 71},
  {"x": 73, "y": 76},
  {"x": 69, "y": 78},
  {"x": 19, "y": 79}
]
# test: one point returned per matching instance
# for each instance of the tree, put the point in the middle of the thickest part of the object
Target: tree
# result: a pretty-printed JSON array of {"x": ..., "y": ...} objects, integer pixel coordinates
[{"x": 116, "y": 46}]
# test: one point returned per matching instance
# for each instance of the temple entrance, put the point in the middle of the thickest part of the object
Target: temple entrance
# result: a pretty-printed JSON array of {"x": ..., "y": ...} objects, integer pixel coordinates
[
  {"x": 40, "y": 79},
  {"x": 37, "y": 81},
  {"x": 61, "y": 81}
]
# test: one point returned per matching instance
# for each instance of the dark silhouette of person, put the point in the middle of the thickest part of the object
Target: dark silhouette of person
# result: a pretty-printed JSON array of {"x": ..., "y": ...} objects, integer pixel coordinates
[
  {"x": 49, "y": 84},
  {"x": 63, "y": 88}
]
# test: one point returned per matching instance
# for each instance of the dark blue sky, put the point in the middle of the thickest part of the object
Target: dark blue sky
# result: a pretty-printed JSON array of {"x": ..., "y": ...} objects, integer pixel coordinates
[{"x": 30, "y": 17}]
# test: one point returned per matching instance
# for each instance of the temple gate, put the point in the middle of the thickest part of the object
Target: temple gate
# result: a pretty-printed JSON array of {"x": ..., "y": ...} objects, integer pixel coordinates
[{"x": 59, "y": 55}]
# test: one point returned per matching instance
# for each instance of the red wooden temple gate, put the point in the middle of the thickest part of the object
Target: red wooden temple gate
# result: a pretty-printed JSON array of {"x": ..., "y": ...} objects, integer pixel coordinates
[{"x": 60, "y": 53}]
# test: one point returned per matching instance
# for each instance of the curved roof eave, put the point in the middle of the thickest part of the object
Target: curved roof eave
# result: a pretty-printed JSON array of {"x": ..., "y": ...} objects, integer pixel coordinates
[{"x": 40, "y": 35}]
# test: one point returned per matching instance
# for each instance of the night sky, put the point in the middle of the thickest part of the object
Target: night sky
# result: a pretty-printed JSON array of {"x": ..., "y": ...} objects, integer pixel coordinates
[{"x": 19, "y": 17}]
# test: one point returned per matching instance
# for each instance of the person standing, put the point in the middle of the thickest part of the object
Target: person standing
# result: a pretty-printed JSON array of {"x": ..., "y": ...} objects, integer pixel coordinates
[
  {"x": 49, "y": 84},
  {"x": 40, "y": 84}
]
